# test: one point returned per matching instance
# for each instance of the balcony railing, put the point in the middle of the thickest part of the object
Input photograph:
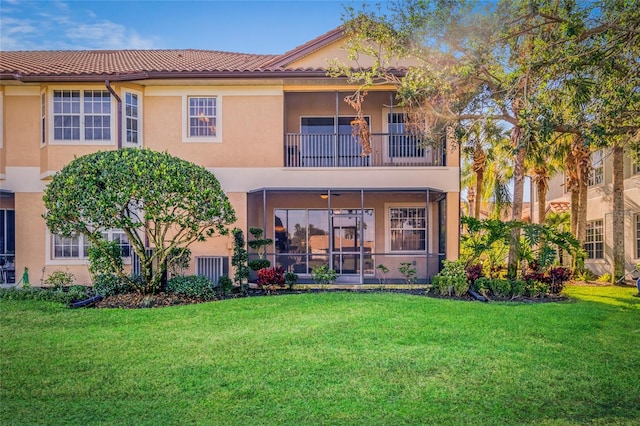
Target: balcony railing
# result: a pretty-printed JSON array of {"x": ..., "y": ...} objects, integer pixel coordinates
[{"x": 345, "y": 150}]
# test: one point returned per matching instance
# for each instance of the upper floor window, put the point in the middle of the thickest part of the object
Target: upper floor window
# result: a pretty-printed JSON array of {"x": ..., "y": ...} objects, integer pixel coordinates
[
  {"x": 594, "y": 239},
  {"x": 203, "y": 116},
  {"x": 132, "y": 118},
  {"x": 408, "y": 228},
  {"x": 597, "y": 168},
  {"x": 402, "y": 144},
  {"x": 81, "y": 115}
]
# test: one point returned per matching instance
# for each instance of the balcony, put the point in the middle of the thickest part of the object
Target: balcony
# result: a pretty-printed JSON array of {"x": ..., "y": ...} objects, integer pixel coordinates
[{"x": 345, "y": 150}]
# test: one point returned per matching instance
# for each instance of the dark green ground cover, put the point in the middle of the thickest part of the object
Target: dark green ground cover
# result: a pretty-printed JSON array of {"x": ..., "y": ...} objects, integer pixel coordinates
[{"x": 326, "y": 358}]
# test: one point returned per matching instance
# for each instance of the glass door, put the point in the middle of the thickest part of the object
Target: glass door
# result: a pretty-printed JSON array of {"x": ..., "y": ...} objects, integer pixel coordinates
[{"x": 346, "y": 243}]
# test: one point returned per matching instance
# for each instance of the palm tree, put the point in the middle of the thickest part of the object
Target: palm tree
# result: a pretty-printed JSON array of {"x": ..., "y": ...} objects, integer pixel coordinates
[{"x": 544, "y": 161}]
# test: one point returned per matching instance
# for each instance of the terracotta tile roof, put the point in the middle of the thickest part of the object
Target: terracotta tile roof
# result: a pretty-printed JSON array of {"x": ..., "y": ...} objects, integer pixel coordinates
[{"x": 122, "y": 62}]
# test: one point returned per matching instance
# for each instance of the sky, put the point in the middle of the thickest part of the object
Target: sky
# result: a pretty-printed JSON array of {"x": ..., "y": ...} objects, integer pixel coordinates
[{"x": 263, "y": 27}]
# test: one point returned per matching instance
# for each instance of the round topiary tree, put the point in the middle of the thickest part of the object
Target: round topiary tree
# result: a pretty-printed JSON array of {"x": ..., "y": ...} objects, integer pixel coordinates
[{"x": 148, "y": 195}]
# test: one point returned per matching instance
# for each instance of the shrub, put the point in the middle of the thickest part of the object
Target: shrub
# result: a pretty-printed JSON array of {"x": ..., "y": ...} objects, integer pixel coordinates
[
  {"x": 585, "y": 275},
  {"x": 408, "y": 272},
  {"x": 500, "y": 287},
  {"x": 481, "y": 285},
  {"x": 110, "y": 285},
  {"x": 43, "y": 294},
  {"x": 257, "y": 264},
  {"x": 474, "y": 272},
  {"x": 518, "y": 287},
  {"x": 323, "y": 275},
  {"x": 604, "y": 278},
  {"x": 452, "y": 279},
  {"x": 191, "y": 286},
  {"x": 536, "y": 288},
  {"x": 558, "y": 276},
  {"x": 290, "y": 279},
  {"x": 271, "y": 279},
  {"x": 59, "y": 279},
  {"x": 225, "y": 284}
]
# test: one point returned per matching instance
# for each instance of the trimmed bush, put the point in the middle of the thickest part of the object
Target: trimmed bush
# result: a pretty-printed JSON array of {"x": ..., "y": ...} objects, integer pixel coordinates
[
  {"x": 59, "y": 279},
  {"x": 191, "y": 286},
  {"x": 225, "y": 284},
  {"x": 518, "y": 288},
  {"x": 500, "y": 287},
  {"x": 110, "y": 285}
]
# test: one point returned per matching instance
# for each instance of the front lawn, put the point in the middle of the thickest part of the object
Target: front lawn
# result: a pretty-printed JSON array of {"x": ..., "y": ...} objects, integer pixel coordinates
[{"x": 331, "y": 358}]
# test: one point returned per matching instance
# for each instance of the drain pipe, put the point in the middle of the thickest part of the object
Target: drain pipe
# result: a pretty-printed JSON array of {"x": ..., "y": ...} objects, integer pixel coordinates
[{"x": 119, "y": 117}]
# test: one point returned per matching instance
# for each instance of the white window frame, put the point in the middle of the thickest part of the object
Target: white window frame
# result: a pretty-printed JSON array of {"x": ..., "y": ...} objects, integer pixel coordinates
[
  {"x": 596, "y": 177},
  {"x": 388, "y": 229},
  {"x": 43, "y": 118},
  {"x": 428, "y": 150},
  {"x": 125, "y": 117},
  {"x": 82, "y": 141},
  {"x": 186, "y": 135},
  {"x": 83, "y": 254},
  {"x": 592, "y": 240}
]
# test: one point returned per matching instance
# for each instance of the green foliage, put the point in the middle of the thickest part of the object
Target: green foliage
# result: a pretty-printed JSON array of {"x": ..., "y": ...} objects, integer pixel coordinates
[
  {"x": 519, "y": 288},
  {"x": 191, "y": 286},
  {"x": 585, "y": 275},
  {"x": 59, "y": 279},
  {"x": 239, "y": 258},
  {"x": 290, "y": 279},
  {"x": 258, "y": 243},
  {"x": 257, "y": 264},
  {"x": 323, "y": 275},
  {"x": 104, "y": 258},
  {"x": 604, "y": 278},
  {"x": 452, "y": 279},
  {"x": 383, "y": 270},
  {"x": 110, "y": 284},
  {"x": 408, "y": 271},
  {"x": 225, "y": 284},
  {"x": 500, "y": 287},
  {"x": 487, "y": 240},
  {"x": 147, "y": 194},
  {"x": 72, "y": 294},
  {"x": 178, "y": 260}
]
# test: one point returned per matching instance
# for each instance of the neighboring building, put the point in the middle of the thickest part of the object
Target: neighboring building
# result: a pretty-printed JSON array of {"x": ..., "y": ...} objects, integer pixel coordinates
[
  {"x": 599, "y": 231},
  {"x": 274, "y": 130}
]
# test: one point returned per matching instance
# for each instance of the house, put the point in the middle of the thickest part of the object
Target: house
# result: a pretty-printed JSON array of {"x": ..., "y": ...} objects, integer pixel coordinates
[
  {"x": 599, "y": 230},
  {"x": 275, "y": 131}
]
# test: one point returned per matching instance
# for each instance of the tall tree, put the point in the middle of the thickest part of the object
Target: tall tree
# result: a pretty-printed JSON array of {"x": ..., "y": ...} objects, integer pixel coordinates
[{"x": 148, "y": 195}]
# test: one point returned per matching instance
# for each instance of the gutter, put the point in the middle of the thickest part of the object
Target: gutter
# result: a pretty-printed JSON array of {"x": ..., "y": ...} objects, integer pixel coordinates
[{"x": 119, "y": 117}]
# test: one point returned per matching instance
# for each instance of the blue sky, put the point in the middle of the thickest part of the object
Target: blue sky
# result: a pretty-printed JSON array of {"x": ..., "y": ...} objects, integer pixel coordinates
[{"x": 266, "y": 26}]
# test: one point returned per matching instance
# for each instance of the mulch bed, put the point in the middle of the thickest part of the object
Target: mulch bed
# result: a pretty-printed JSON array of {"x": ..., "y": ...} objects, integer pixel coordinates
[{"x": 135, "y": 300}]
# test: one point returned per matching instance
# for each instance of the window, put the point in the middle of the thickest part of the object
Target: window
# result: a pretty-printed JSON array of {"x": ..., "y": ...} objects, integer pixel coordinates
[
  {"x": 322, "y": 147},
  {"x": 77, "y": 246},
  {"x": 597, "y": 168},
  {"x": 408, "y": 228},
  {"x": 401, "y": 142},
  {"x": 202, "y": 116},
  {"x": 637, "y": 236},
  {"x": 132, "y": 118},
  {"x": 7, "y": 231},
  {"x": 43, "y": 118},
  {"x": 594, "y": 240},
  {"x": 81, "y": 115}
]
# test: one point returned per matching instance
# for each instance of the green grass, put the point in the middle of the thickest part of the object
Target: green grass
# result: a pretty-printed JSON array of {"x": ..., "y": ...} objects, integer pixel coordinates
[{"x": 333, "y": 358}]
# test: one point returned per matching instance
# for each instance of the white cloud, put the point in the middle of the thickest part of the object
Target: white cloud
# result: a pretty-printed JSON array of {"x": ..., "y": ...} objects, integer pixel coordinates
[
  {"x": 61, "y": 26},
  {"x": 106, "y": 35}
]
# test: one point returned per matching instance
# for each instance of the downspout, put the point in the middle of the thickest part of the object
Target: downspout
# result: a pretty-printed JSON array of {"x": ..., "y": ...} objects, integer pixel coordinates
[{"x": 119, "y": 117}]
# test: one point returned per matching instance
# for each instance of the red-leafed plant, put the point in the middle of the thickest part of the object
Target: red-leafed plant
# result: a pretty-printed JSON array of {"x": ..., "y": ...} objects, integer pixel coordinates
[{"x": 271, "y": 279}]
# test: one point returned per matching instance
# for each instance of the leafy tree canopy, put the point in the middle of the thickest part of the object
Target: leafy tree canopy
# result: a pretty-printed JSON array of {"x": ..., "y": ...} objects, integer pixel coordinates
[{"x": 149, "y": 195}]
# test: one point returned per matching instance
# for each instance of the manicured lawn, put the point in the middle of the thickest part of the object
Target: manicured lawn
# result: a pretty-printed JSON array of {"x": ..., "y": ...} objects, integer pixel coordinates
[{"x": 334, "y": 358}]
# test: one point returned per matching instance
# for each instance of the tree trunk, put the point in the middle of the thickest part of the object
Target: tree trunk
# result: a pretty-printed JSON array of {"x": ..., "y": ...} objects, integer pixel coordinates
[
  {"x": 618, "y": 212},
  {"x": 541, "y": 192},
  {"x": 518, "y": 193},
  {"x": 571, "y": 183},
  {"x": 478, "y": 200}
]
